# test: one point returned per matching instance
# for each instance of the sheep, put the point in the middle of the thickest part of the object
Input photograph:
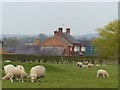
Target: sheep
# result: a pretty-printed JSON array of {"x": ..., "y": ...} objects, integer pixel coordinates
[
  {"x": 104, "y": 65},
  {"x": 12, "y": 71},
  {"x": 37, "y": 72},
  {"x": 79, "y": 64},
  {"x": 102, "y": 73},
  {"x": 20, "y": 67},
  {"x": 97, "y": 65},
  {"x": 7, "y": 61},
  {"x": 8, "y": 68},
  {"x": 90, "y": 65},
  {"x": 84, "y": 66}
]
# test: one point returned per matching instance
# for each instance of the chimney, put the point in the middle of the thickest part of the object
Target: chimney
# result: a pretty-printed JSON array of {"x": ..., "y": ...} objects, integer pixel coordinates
[
  {"x": 55, "y": 33},
  {"x": 68, "y": 30},
  {"x": 60, "y": 29}
]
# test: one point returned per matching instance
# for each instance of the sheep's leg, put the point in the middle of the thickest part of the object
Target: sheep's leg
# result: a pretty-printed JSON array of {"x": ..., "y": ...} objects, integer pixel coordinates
[
  {"x": 22, "y": 79},
  {"x": 11, "y": 79},
  {"x": 32, "y": 80},
  {"x": 19, "y": 79},
  {"x": 97, "y": 75},
  {"x": 103, "y": 75}
]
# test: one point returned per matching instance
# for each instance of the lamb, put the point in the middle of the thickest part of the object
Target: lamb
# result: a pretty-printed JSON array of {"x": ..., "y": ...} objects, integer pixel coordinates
[
  {"x": 102, "y": 73},
  {"x": 90, "y": 65},
  {"x": 80, "y": 64},
  {"x": 37, "y": 72},
  {"x": 12, "y": 71}
]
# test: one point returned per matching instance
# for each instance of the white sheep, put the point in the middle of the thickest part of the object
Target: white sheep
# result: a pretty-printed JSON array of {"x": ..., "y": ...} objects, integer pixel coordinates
[
  {"x": 102, "y": 73},
  {"x": 37, "y": 72},
  {"x": 79, "y": 64},
  {"x": 7, "y": 61},
  {"x": 90, "y": 65},
  {"x": 20, "y": 67},
  {"x": 8, "y": 68},
  {"x": 97, "y": 65},
  {"x": 14, "y": 72}
]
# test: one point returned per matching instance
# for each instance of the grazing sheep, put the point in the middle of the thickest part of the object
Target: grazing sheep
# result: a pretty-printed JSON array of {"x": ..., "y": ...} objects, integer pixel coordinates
[
  {"x": 7, "y": 61},
  {"x": 14, "y": 72},
  {"x": 90, "y": 65},
  {"x": 20, "y": 67},
  {"x": 97, "y": 65},
  {"x": 8, "y": 68},
  {"x": 102, "y": 73},
  {"x": 80, "y": 64},
  {"x": 84, "y": 66},
  {"x": 104, "y": 65},
  {"x": 37, "y": 72}
]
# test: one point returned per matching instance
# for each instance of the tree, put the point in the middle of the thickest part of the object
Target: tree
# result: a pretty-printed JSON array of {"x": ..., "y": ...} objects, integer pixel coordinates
[
  {"x": 11, "y": 42},
  {"x": 107, "y": 43},
  {"x": 42, "y": 37}
]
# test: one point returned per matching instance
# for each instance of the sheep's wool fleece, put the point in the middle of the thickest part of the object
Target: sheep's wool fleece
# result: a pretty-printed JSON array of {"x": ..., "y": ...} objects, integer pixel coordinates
[
  {"x": 37, "y": 71},
  {"x": 18, "y": 72},
  {"x": 20, "y": 67},
  {"x": 101, "y": 71},
  {"x": 8, "y": 68}
]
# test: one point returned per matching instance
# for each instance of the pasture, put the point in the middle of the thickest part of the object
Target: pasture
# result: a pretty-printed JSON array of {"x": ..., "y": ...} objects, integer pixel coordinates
[{"x": 66, "y": 76}]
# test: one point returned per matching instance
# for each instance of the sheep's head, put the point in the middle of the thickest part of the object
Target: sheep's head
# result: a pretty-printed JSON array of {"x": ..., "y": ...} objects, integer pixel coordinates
[
  {"x": 107, "y": 75},
  {"x": 33, "y": 78}
]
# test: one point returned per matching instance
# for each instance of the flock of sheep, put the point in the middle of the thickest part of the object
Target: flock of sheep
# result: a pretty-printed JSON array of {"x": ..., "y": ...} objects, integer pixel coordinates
[
  {"x": 19, "y": 72},
  {"x": 39, "y": 72},
  {"x": 100, "y": 73}
]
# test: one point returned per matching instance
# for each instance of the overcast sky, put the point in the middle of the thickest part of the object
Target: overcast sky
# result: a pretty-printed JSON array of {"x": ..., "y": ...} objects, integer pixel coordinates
[{"x": 45, "y": 17}]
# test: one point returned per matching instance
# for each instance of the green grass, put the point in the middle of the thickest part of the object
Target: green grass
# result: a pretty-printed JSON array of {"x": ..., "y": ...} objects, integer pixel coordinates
[{"x": 67, "y": 76}]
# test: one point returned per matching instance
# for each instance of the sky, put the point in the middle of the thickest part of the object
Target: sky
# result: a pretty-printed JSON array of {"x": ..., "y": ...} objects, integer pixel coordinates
[{"x": 46, "y": 17}]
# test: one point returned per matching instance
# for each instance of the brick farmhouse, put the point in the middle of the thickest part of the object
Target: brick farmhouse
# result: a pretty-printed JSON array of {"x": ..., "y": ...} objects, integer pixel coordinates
[{"x": 63, "y": 39}]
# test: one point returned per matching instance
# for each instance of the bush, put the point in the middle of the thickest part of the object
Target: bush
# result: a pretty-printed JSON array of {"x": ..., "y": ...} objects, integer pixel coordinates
[{"x": 52, "y": 59}]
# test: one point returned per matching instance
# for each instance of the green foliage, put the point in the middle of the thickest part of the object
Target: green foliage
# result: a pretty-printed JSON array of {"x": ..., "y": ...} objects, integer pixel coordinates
[
  {"x": 53, "y": 59},
  {"x": 11, "y": 42},
  {"x": 42, "y": 37},
  {"x": 26, "y": 39},
  {"x": 107, "y": 43}
]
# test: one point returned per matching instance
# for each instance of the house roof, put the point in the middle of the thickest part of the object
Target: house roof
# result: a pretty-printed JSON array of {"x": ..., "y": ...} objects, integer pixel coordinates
[
  {"x": 28, "y": 49},
  {"x": 51, "y": 51},
  {"x": 10, "y": 49},
  {"x": 70, "y": 38},
  {"x": 64, "y": 40},
  {"x": 37, "y": 50}
]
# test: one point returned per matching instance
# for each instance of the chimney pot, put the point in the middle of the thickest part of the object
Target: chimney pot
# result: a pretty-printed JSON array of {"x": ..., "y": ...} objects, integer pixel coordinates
[
  {"x": 55, "y": 33},
  {"x": 68, "y": 30},
  {"x": 60, "y": 29}
]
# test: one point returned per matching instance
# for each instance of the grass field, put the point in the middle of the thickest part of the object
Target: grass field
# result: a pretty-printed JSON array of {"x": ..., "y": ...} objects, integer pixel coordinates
[{"x": 67, "y": 76}]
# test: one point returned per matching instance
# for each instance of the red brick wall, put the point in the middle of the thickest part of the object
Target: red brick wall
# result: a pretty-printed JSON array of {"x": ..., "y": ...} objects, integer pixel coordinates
[{"x": 55, "y": 42}]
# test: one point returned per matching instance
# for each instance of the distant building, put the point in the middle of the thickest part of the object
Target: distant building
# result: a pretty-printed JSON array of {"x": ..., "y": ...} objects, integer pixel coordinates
[
  {"x": 63, "y": 39},
  {"x": 61, "y": 43}
]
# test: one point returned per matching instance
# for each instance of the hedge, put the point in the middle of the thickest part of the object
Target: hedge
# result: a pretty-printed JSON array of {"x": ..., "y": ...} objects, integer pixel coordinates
[{"x": 52, "y": 59}]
